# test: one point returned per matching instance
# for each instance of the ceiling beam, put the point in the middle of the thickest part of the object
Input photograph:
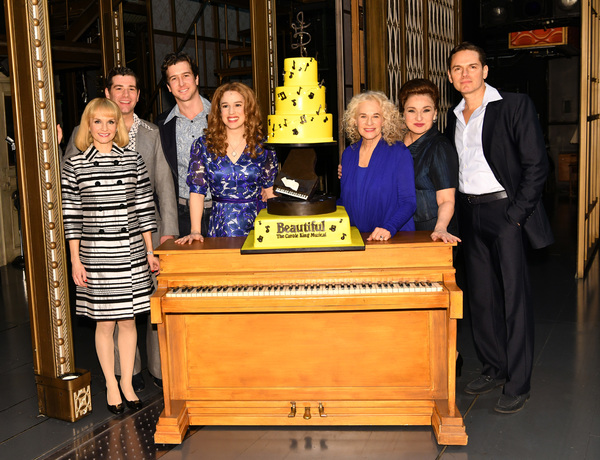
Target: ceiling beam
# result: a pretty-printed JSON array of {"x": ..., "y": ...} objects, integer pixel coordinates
[{"x": 83, "y": 22}]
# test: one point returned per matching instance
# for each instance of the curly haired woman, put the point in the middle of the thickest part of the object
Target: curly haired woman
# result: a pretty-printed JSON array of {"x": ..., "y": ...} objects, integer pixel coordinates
[
  {"x": 230, "y": 161},
  {"x": 378, "y": 184}
]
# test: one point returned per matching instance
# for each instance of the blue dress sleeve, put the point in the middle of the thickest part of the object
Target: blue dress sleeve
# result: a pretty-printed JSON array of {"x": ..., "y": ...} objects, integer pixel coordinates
[
  {"x": 401, "y": 219},
  {"x": 196, "y": 178},
  {"x": 269, "y": 170}
]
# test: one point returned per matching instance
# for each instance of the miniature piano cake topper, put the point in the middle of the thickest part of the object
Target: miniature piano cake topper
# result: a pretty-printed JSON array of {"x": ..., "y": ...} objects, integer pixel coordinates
[
  {"x": 297, "y": 177},
  {"x": 290, "y": 183},
  {"x": 300, "y": 34}
]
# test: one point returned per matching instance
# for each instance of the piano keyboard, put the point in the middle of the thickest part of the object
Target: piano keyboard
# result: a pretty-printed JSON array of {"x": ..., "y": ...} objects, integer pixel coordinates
[
  {"x": 305, "y": 289},
  {"x": 286, "y": 191}
]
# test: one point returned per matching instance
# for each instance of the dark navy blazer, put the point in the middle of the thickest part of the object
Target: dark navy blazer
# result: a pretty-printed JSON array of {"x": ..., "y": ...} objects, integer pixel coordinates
[{"x": 513, "y": 145}]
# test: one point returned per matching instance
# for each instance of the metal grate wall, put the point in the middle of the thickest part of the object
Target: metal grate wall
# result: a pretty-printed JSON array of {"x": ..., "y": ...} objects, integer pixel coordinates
[
  {"x": 421, "y": 34},
  {"x": 589, "y": 140},
  {"x": 441, "y": 36},
  {"x": 395, "y": 28}
]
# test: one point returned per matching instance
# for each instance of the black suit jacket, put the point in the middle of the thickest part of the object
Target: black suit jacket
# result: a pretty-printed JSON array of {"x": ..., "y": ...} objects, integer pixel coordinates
[
  {"x": 513, "y": 145},
  {"x": 168, "y": 140}
]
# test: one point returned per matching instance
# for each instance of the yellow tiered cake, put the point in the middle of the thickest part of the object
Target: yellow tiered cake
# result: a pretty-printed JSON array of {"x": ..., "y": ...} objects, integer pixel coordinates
[
  {"x": 320, "y": 230},
  {"x": 300, "y": 109}
]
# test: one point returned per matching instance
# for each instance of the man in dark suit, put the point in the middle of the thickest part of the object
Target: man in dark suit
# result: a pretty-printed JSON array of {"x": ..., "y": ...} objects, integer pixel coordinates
[
  {"x": 502, "y": 170},
  {"x": 180, "y": 126}
]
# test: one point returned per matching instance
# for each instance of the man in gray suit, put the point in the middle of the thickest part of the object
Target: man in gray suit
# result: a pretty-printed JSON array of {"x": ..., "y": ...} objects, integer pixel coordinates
[{"x": 122, "y": 88}]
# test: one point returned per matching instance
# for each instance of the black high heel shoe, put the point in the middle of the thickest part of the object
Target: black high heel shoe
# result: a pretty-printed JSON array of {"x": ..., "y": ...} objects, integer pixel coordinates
[
  {"x": 135, "y": 405},
  {"x": 117, "y": 409}
]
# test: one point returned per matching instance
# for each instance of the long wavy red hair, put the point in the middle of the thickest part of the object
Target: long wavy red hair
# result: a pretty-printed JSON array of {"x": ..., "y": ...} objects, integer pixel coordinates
[{"x": 216, "y": 135}]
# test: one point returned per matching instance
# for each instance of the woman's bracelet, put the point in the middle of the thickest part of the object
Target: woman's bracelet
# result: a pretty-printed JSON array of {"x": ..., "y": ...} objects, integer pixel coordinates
[
  {"x": 149, "y": 253},
  {"x": 195, "y": 232}
]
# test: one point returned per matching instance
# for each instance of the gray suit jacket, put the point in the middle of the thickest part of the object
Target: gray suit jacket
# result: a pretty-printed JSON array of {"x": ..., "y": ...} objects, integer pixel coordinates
[{"x": 149, "y": 147}]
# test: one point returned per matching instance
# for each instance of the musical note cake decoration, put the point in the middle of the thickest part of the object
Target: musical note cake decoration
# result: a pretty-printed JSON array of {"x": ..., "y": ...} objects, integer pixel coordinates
[{"x": 300, "y": 110}]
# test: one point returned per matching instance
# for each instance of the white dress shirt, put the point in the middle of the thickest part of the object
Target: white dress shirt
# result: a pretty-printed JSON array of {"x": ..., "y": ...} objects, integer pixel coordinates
[{"x": 475, "y": 177}]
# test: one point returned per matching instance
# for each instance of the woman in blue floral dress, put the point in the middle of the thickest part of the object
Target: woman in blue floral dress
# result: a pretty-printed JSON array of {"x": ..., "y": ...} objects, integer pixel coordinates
[{"x": 230, "y": 161}]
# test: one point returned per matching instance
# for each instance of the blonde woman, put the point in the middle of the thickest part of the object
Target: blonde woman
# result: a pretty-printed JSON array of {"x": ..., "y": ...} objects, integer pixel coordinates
[
  {"x": 378, "y": 185},
  {"x": 108, "y": 211}
]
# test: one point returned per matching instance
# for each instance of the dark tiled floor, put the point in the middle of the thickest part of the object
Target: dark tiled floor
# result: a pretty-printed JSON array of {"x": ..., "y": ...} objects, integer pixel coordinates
[{"x": 560, "y": 421}]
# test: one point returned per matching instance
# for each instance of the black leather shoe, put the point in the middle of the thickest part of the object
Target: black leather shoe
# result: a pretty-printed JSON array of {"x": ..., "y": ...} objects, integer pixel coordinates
[
  {"x": 157, "y": 382},
  {"x": 117, "y": 409},
  {"x": 137, "y": 381},
  {"x": 483, "y": 384},
  {"x": 135, "y": 405},
  {"x": 511, "y": 404}
]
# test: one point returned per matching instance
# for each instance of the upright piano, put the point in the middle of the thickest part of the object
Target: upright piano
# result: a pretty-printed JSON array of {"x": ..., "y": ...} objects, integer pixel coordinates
[{"x": 309, "y": 338}]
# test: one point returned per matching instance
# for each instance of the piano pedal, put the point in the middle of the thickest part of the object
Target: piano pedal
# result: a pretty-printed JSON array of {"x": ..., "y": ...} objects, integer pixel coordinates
[
  {"x": 322, "y": 410},
  {"x": 292, "y": 413},
  {"x": 306, "y": 415}
]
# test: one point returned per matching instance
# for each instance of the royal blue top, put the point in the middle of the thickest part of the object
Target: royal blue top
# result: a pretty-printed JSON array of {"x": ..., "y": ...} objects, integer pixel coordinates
[{"x": 382, "y": 194}]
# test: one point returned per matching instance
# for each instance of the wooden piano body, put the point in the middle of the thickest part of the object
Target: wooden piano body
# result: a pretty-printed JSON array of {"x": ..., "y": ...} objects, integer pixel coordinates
[{"x": 350, "y": 359}]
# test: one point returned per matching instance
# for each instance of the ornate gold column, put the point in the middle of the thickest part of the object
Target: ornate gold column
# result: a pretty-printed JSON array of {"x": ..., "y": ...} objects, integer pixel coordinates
[
  {"x": 63, "y": 391},
  {"x": 111, "y": 36},
  {"x": 377, "y": 44}
]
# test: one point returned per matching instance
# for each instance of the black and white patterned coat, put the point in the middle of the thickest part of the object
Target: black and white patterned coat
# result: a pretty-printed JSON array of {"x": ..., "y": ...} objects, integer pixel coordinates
[{"x": 107, "y": 204}]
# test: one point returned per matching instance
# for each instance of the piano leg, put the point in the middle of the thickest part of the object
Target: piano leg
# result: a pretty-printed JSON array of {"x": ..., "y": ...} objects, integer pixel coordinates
[
  {"x": 446, "y": 421},
  {"x": 451, "y": 350},
  {"x": 171, "y": 429},
  {"x": 448, "y": 425},
  {"x": 165, "y": 363},
  {"x": 174, "y": 420}
]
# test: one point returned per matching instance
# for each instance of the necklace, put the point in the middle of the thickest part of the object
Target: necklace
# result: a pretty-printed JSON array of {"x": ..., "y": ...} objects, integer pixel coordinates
[{"x": 233, "y": 149}]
